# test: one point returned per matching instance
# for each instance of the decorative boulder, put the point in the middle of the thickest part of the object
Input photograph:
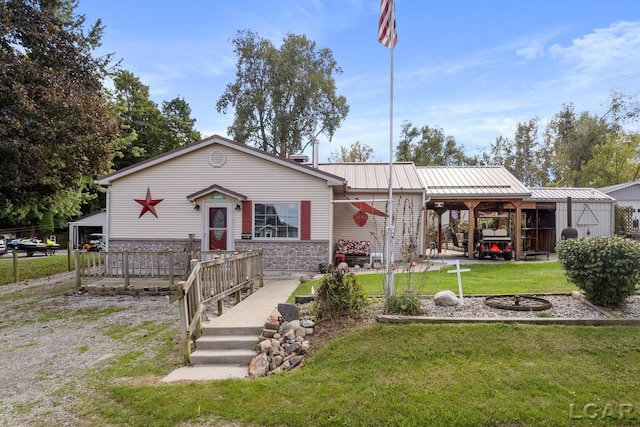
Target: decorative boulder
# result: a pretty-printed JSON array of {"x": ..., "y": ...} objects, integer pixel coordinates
[
  {"x": 446, "y": 299},
  {"x": 289, "y": 311}
]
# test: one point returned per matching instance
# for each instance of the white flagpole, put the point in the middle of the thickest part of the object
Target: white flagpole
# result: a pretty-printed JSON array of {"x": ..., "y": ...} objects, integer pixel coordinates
[{"x": 389, "y": 288}]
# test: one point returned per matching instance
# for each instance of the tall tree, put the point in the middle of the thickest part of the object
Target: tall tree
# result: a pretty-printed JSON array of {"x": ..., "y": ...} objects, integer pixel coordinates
[
  {"x": 614, "y": 162},
  {"x": 429, "y": 146},
  {"x": 55, "y": 125},
  {"x": 525, "y": 156},
  {"x": 283, "y": 98},
  {"x": 573, "y": 138},
  {"x": 177, "y": 114},
  {"x": 358, "y": 153},
  {"x": 148, "y": 130},
  {"x": 145, "y": 131}
]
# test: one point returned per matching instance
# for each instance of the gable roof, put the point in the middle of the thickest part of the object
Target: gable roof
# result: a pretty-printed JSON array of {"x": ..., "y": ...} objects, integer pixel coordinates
[
  {"x": 555, "y": 194},
  {"x": 375, "y": 176},
  {"x": 618, "y": 187},
  {"x": 332, "y": 180},
  {"x": 216, "y": 188},
  {"x": 461, "y": 182}
]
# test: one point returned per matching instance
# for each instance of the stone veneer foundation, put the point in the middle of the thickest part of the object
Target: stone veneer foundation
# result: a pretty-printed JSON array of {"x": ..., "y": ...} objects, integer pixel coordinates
[
  {"x": 283, "y": 255},
  {"x": 296, "y": 255}
]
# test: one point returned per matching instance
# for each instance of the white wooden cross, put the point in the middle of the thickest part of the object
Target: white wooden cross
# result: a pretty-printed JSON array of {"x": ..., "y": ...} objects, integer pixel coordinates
[{"x": 458, "y": 270}]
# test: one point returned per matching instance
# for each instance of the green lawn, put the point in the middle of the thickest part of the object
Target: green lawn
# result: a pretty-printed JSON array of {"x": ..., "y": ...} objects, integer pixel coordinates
[
  {"x": 34, "y": 267},
  {"x": 415, "y": 375},
  {"x": 512, "y": 278}
]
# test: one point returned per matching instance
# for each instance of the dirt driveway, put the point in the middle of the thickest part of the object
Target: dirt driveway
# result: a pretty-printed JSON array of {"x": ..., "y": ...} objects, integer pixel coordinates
[{"x": 52, "y": 339}]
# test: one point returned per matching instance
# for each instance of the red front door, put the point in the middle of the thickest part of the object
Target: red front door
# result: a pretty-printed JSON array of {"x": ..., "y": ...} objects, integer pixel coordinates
[{"x": 218, "y": 228}]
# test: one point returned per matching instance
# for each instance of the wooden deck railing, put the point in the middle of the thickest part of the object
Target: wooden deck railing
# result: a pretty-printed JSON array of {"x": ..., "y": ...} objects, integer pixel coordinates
[
  {"x": 140, "y": 264},
  {"x": 212, "y": 281}
]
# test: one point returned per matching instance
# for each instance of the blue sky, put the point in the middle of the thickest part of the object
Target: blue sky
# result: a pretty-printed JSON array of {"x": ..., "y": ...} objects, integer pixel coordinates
[{"x": 474, "y": 69}]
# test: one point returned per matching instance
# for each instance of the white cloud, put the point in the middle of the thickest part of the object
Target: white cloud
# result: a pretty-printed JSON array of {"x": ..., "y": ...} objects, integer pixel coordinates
[
  {"x": 610, "y": 50},
  {"x": 533, "y": 51}
]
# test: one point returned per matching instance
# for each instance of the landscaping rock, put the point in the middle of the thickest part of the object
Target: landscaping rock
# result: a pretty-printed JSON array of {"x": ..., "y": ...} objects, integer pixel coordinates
[
  {"x": 286, "y": 327},
  {"x": 289, "y": 311},
  {"x": 284, "y": 347},
  {"x": 446, "y": 298},
  {"x": 268, "y": 333},
  {"x": 259, "y": 366},
  {"x": 265, "y": 346}
]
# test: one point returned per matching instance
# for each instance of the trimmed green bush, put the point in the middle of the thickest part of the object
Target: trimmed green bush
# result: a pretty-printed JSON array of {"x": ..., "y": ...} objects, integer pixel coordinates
[
  {"x": 339, "y": 294},
  {"x": 607, "y": 269}
]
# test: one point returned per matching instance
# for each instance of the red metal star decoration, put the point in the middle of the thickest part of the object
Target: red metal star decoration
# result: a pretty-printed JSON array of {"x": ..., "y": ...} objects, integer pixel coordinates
[{"x": 148, "y": 204}]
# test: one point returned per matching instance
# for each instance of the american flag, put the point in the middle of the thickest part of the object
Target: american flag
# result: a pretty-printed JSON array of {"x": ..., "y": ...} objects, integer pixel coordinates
[{"x": 387, "y": 34}]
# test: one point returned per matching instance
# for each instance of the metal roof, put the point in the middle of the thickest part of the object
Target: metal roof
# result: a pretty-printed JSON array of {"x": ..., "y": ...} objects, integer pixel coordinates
[
  {"x": 558, "y": 194},
  {"x": 614, "y": 188},
  {"x": 375, "y": 176},
  {"x": 458, "y": 182}
]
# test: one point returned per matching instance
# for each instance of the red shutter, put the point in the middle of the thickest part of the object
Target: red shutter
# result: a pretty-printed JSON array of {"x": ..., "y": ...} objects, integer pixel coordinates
[
  {"x": 305, "y": 220},
  {"x": 247, "y": 215}
]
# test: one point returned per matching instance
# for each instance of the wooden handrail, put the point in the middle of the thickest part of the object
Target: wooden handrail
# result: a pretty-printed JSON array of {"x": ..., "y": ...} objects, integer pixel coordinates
[{"x": 212, "y": 281}]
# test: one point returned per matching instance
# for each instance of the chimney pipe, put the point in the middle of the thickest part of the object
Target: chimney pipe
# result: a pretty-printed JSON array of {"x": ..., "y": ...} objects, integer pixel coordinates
[
  {"x": 315, "y": 152},
  {"x": 569, "y": 232}
]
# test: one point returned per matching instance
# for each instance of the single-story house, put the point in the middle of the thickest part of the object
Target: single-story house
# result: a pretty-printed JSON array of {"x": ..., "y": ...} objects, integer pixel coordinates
[{"x": 220, "y": 194}]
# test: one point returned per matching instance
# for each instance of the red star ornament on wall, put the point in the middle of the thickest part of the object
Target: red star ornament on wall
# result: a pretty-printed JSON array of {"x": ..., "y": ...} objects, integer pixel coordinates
[{"x": 148, "y": 204}]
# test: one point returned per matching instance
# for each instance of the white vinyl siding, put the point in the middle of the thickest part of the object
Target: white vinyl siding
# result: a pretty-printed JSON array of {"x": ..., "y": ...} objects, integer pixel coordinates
[
  {"x": 174, "y": 179},
  {"x": 406, "y": 208}
]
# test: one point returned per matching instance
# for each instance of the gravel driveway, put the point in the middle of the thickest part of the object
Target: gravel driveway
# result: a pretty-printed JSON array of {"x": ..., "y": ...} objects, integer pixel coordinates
[{"x": 50, "y": 337}]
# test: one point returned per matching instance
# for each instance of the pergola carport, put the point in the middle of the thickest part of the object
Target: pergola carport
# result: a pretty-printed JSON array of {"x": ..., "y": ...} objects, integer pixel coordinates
[{"x": 475, "y": 189}]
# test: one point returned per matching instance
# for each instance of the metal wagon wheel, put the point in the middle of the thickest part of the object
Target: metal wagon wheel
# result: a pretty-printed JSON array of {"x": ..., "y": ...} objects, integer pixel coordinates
[{"x": 518, "y": 302}]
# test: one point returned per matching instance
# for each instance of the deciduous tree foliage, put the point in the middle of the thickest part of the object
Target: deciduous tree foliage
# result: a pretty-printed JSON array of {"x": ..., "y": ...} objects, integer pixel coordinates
[
  {"x": 357, "y": 153},
  {"x": 576, "y": 150},
  {"x": 283, "y": 97},
  {"x": 614, "y": 162},
  {"x": 573, "y": 138},
  {"x": 177, "y": 113},
  {"x": 525, "y": 156},
  {"x": 55, "y": 127},
  {"x": 429, "y": 146},
  {"x": 147, "y": 130}
]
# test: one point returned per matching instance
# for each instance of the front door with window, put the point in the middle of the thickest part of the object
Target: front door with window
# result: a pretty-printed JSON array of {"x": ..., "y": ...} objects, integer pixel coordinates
[{"x": 218, "y": 228}]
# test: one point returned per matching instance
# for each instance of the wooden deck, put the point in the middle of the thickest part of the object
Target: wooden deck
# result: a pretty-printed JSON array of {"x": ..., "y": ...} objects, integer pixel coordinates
[{"x": 151, "y": 286}]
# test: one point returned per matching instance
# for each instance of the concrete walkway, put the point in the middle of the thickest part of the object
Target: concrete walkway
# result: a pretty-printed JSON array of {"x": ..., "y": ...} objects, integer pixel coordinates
[
  {"x": 278, "y": 286},
  {"x": 251, "y": 311}
]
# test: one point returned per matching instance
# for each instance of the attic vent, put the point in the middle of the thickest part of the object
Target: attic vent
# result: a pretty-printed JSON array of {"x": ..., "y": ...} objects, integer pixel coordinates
[{"x": 217, "y": 158}]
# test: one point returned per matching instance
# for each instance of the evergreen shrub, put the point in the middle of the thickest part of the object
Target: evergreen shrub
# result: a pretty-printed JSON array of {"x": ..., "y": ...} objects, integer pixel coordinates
[{"x": 339, "y": 294}]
